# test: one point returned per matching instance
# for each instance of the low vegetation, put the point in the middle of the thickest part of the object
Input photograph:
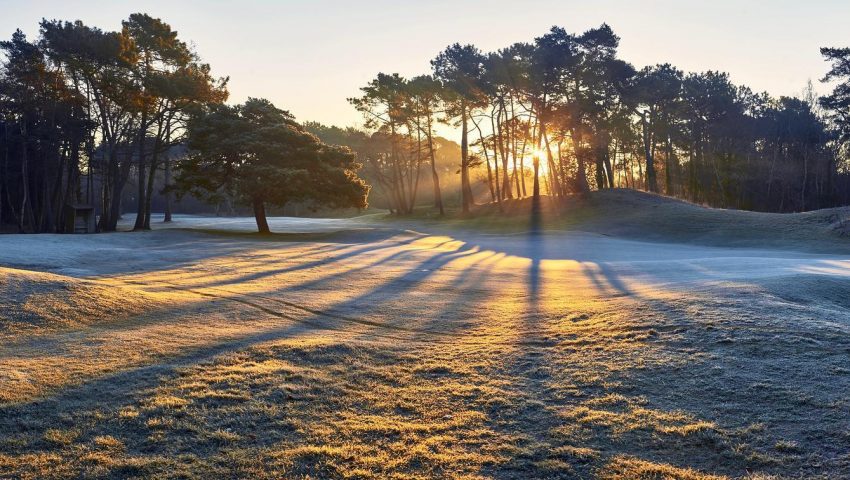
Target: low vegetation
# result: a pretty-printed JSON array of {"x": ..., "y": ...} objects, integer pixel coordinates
[{"x": 294, "y": 356}]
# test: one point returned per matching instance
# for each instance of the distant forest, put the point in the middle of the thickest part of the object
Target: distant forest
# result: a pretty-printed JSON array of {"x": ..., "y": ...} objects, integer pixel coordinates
[
  {"x": 102, "y": 119},
  {"x": 564, "y": 115}
]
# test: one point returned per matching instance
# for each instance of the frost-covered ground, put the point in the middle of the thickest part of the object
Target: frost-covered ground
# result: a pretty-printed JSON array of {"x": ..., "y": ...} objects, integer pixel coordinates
[{"x": 367, "y": 349}]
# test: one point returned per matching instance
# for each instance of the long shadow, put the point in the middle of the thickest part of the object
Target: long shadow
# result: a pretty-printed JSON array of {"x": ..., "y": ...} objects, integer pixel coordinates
[
  {"x": 529, "y": 364},
  {"x": 462, "y": 286},
  {"x": 348, "y": 271},
  {"x": 186, "y": 273},
  {"x": 169, "y": 249},
  {"x": 34, "y": 418},
  {"x": 521, "y": 361},
  {"x": 121, "y": 384},
  {"x": 129, "y": 378},
  {"x": 392, "y": 293},
  {"x": 124, "y": 385},
  {"x": 409, "y": 280},
  {"x": 370, "y": 247},
  {"x": 533, "y": 253},
  {"x": 606, "y": 279}
]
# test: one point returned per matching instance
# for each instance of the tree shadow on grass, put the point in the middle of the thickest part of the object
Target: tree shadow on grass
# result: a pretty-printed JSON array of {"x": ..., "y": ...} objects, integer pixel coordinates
[{"x": 562, "y": 419}]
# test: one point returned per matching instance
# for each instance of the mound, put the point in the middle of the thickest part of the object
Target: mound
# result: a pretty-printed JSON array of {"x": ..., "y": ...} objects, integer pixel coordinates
[
  {"x": 35, "y": 302},
  {"x": 632, "y": 213},
  {"x": 645, "y": 216}
]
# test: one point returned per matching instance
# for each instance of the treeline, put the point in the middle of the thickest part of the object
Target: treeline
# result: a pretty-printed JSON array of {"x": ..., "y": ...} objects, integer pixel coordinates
[
  {"x": 564, "y": 115},
  {"x": 86, "y": 113},
  {"x": 371, "y": 149},
  {"x": 82, "y": 110}
]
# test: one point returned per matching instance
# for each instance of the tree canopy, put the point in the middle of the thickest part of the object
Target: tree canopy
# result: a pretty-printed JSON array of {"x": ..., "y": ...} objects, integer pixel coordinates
[
  {"x": 566, "y": 104},
  {"x": 260, "y": 155}
]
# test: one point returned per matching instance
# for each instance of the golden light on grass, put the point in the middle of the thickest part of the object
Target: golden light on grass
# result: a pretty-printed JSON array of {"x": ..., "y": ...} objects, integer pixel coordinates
[{"x": 417, "y": 355}]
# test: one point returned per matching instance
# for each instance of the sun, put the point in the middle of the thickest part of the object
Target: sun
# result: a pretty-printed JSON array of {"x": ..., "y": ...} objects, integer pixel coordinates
[{"x": 541, "y": 155}]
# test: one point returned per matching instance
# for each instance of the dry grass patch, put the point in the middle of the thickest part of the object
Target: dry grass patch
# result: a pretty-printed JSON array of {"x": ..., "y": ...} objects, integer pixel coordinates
[
  {"x": 37, "y": 303},
  {"x": 628, "y": 468}
]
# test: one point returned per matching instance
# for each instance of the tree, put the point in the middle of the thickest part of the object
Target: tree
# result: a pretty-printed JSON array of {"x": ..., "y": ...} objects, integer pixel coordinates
[
  {"x": 99, "y": 65},
  {"x": 655, "y": 95},
  {"x": 553, "y": 84},
  {"x": 388, "y": 109},
  {"x": 260, "y": 155},
  {"x": 460, "y": 68},
  {"x": 425, "y": 94},
  {"x": 603, "y": 78},
  {"x": 44, "y": 132},
  {"x": 170, "y": 82},
  {"x": 838, "y": 102}
]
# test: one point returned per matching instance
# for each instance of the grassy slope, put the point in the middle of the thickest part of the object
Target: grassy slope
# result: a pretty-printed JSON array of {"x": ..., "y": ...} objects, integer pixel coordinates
[
  {"x": 33, "y": 303},
  {"x": 645, "y": 216}
]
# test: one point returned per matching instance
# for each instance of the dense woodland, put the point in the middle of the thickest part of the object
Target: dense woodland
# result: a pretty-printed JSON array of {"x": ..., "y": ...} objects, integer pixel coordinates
[
  {"x": 87, "y": 116},
  {"x": 564, "y": 115},
  {"x": 82, "y": 109}
]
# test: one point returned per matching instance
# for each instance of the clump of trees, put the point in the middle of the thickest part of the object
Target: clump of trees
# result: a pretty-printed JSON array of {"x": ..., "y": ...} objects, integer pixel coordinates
[
  {"x": 257, "y": 154},
  {"x": 82, "y": 102},
  {"x": 439, "y": 180},
  {"x": 85, "y": 113},
  {"x": 564, "y": 113}
]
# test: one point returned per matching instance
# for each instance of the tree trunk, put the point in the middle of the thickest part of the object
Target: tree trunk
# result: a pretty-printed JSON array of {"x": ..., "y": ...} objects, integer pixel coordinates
[
  {"x": 167, "y": 191},
  {"x": 438, "y": 195},
  {"x": 414, "y": 189},
  {"x": 149, "y": 190},
  {"x": 581, "y": 173},
  {"x": 669, "y": 167},
  {"x": 260, "y": 215},
  {"x": 140, "y": 208},
  {"x": 598, "y": 159},
  {"x": 805, "y": 180},
  {"x": 27, "y": 216},
  {"x": 503, "y": 150},
  {"x": 535, "y": 162},
  {"x": 111, "y": 193},
  {"x": 599, "y": 172},
  {"x": 535, "y": 191},
  {"x": 466, "y": 190},
  {"x": 521, "y": 174},
  {"x": 157, "y": 150},
  {"x": 651, "y": 182},
  {"x": 606, "y": 161},
  {"x": 494, "y": 191},
  {"x": 556, "y": 187}
]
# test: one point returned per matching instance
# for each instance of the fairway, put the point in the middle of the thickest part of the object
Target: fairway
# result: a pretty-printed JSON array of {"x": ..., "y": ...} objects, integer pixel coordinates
[
  {"x": 370, "y": 349},
  {"x": 411, "y": 240}
]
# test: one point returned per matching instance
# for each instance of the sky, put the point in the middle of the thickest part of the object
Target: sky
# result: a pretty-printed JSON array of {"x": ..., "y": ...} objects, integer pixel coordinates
[{"x": 309, "y": 56}]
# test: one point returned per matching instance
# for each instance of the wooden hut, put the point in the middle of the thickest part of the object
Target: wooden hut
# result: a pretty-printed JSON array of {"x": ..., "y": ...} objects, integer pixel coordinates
[{"x": 80, "y": 218}]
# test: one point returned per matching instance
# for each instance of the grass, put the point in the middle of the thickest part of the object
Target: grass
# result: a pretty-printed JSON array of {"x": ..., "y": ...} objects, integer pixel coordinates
[
  {"x": 598, "y": 401},
  {"x": 644, "y": 216},
  {"x": 33, "y": 303},
  {"x": 416, "y": 357},
  {"x": 329, "y": 410}
]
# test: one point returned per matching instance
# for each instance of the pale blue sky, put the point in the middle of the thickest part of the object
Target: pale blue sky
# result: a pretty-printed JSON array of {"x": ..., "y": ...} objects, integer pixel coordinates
[{"x": 309, "y": 56}]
